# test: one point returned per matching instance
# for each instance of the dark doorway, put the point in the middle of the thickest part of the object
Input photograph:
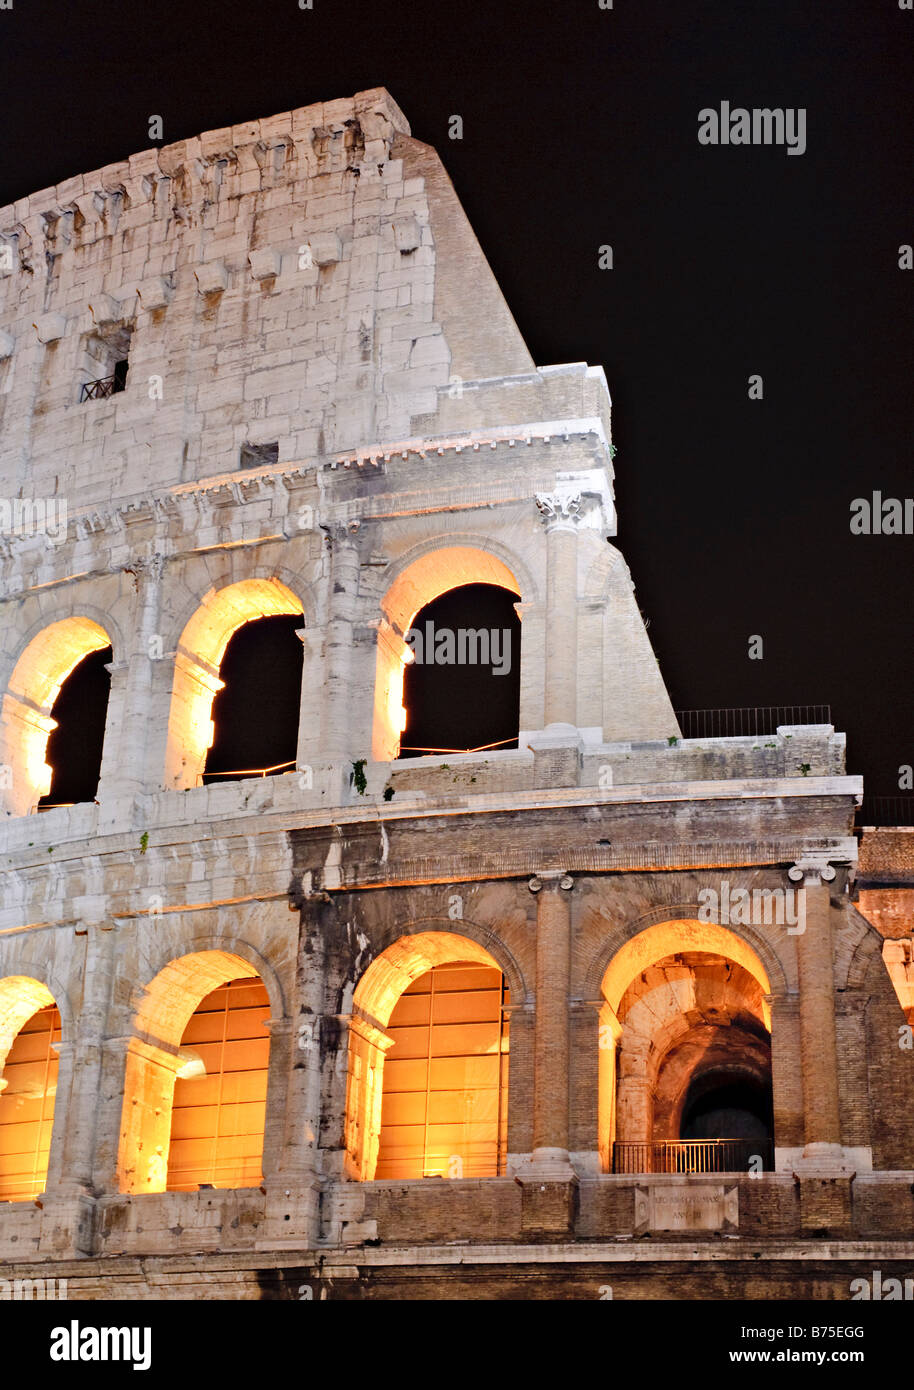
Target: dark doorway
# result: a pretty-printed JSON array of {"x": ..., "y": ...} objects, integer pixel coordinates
[
  {"x": 75, "y": 746},
  {"x": 462, "y": 692},
  {"x": 727, "y": 1108},
  {"x": 256, "y": 715}
]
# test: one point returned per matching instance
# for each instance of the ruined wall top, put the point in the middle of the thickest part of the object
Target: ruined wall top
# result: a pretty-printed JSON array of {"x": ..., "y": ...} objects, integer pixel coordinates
[{"x": 282, "y": 290}]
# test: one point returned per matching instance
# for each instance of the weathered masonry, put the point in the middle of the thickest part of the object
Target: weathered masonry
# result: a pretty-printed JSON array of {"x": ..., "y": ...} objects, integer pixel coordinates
[{"x": 466, "y": 970}]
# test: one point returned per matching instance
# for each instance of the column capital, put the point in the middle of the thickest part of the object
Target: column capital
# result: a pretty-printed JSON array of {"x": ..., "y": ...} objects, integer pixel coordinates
[
  {"x": 816, "y": 863},
  {"x": 811, "y": 873},
  {"x": 560, "y": 511},
  {"x": 582, "y": 498},
  {"x": 341, "y": 532},
  {"x": 550, "y": 878}
]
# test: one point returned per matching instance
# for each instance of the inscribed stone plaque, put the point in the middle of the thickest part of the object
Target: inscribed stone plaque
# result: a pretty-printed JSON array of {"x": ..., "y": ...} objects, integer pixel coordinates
[{"x": 683, "y": 1207}]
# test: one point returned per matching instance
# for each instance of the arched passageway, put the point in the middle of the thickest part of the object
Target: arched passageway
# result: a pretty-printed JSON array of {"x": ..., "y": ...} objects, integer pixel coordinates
[
  {"x": 195, "y": 1079},
  {"x": 427, "y": 1091},
  {"x": 54, "y": 713},
  {"x": 256, "y": 713},
  {"x": 461, "y": 690},
  {"x": 219, "y": 1109},
  {"x": 29, "y": 1033},
  {"x": 685, "y": 1054},
  {"x": 74, "y": 752}
]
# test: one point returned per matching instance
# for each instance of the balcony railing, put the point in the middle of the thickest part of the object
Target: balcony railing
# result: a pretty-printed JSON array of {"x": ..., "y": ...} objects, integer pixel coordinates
[
  {"x": 101, "y": 389},
  {"x": 241, "y": 774},
  {"x": 886, "y": 810},
  {"x": 694, "y": 1156},
  {"x": 752, "y": 722}
]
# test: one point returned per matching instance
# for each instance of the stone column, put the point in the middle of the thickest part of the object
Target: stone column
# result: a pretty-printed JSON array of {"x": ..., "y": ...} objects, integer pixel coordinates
[
  {"x": 297, "y": 1140},
  {"x": 561, "y": 517},
  {"x": 824, "y": 1170},
  {"x": 552, "y": 1029},
  {"x": 124, "y": 770},
  {"x": 815, "y": 969},
  {"x": 338, "y": 644},
  {"x": 71, "y": 1168},
  {"x": 786, "y": 1078},
  {"x": 548, "y": 1183}
]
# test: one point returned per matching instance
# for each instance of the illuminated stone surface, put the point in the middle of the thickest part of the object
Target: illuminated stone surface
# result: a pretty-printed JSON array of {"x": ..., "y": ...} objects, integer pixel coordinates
[{"x": 310, "y": 282}]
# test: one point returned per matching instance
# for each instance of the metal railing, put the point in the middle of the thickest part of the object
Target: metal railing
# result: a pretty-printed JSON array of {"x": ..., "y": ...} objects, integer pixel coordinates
[
  {"x": 693, "y": 1156},
  {"x": 886, "y": 810},
  {"x": 483, "y": 747},
  {"x": 240, "y": 774},
  {"x": 752, "y": 722},
  {"x": 101, "y": 389}
]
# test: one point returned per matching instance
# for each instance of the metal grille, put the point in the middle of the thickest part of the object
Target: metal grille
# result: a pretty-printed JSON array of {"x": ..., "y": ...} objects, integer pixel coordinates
[
  {"x": 445, "y": 1082},
  {"x": 204, "y": 778},
  {"x": 27, "y": 1107},
  {"x": 218, "y": 1117},
  {"x": 751, "y": 722},
  {"x": 886, "y": 810},
  {"x": 693, "y": 1156},
  {"x": 101, "y": 389}
]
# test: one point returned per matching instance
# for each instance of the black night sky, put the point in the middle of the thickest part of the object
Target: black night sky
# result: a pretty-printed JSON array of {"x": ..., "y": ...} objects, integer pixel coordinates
[{"x": 580, "y": 129}]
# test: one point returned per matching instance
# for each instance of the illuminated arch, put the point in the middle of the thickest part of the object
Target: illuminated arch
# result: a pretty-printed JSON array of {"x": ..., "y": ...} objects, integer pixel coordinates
[
  {"x": 199, "y": 654},
  {"x": 637, "y": 955},
  {"x": 420, "y": 582},
  {"x": 156, "y": 1056},
  {"x": 43, "y": 666},
  {"x": 683, "y": 1018},
  {"x": 375, "y": 1002},
  {"x": 669, "y": 938},
  {"x": 29, "y": 1033}
]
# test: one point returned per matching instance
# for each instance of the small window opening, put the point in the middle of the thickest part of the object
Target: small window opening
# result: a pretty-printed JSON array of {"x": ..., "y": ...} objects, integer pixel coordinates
[
  {"x": 106, "y": 357},
  {"x": 256, "y": 455}
]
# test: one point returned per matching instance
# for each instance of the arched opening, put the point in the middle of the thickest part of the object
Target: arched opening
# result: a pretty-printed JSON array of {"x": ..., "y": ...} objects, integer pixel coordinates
[
  {"x": 215, "y": 999},
  {"x": 219, "y": 1108},
  {"x": 685, "y": 1054},
  {"x": 427, "y": 1091},
  {"x": 36, "y": 706},
  {"x": 461, "y": 690},
  {"x": 198, "y": 662},
  {"x": 466, "y": 572},
  {"x": 444, "y": 1111},
  {"x": 256, "y": 713},
  {"x": 721, "y": 1104},
  {"x": 74, "y": 751},
  {"x": 29, "y": 1034}
]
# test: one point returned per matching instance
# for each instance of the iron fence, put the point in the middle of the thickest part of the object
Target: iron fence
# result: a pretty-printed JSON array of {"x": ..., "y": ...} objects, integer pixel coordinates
[
  {"x": 886, "y": 810},
  {"x": 694, "y": 1156},
  {"x": 751, "y": 722},
  {"x": 101, "y": 389}
]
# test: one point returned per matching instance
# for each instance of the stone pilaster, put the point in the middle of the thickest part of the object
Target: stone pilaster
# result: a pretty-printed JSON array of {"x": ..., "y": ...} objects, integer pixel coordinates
[
  {"x": 71, "y": 1164},
  {"x": 339, "y": 640},
  {"x": 549, "y": 1182},
  {"x": 561, "y": 516},
  {"x": 815, "y": 970},
  {"x": 125, "y": 771},
  {"x": 552, "y": 1037},
  {"x": 824, "y": 1170}
]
